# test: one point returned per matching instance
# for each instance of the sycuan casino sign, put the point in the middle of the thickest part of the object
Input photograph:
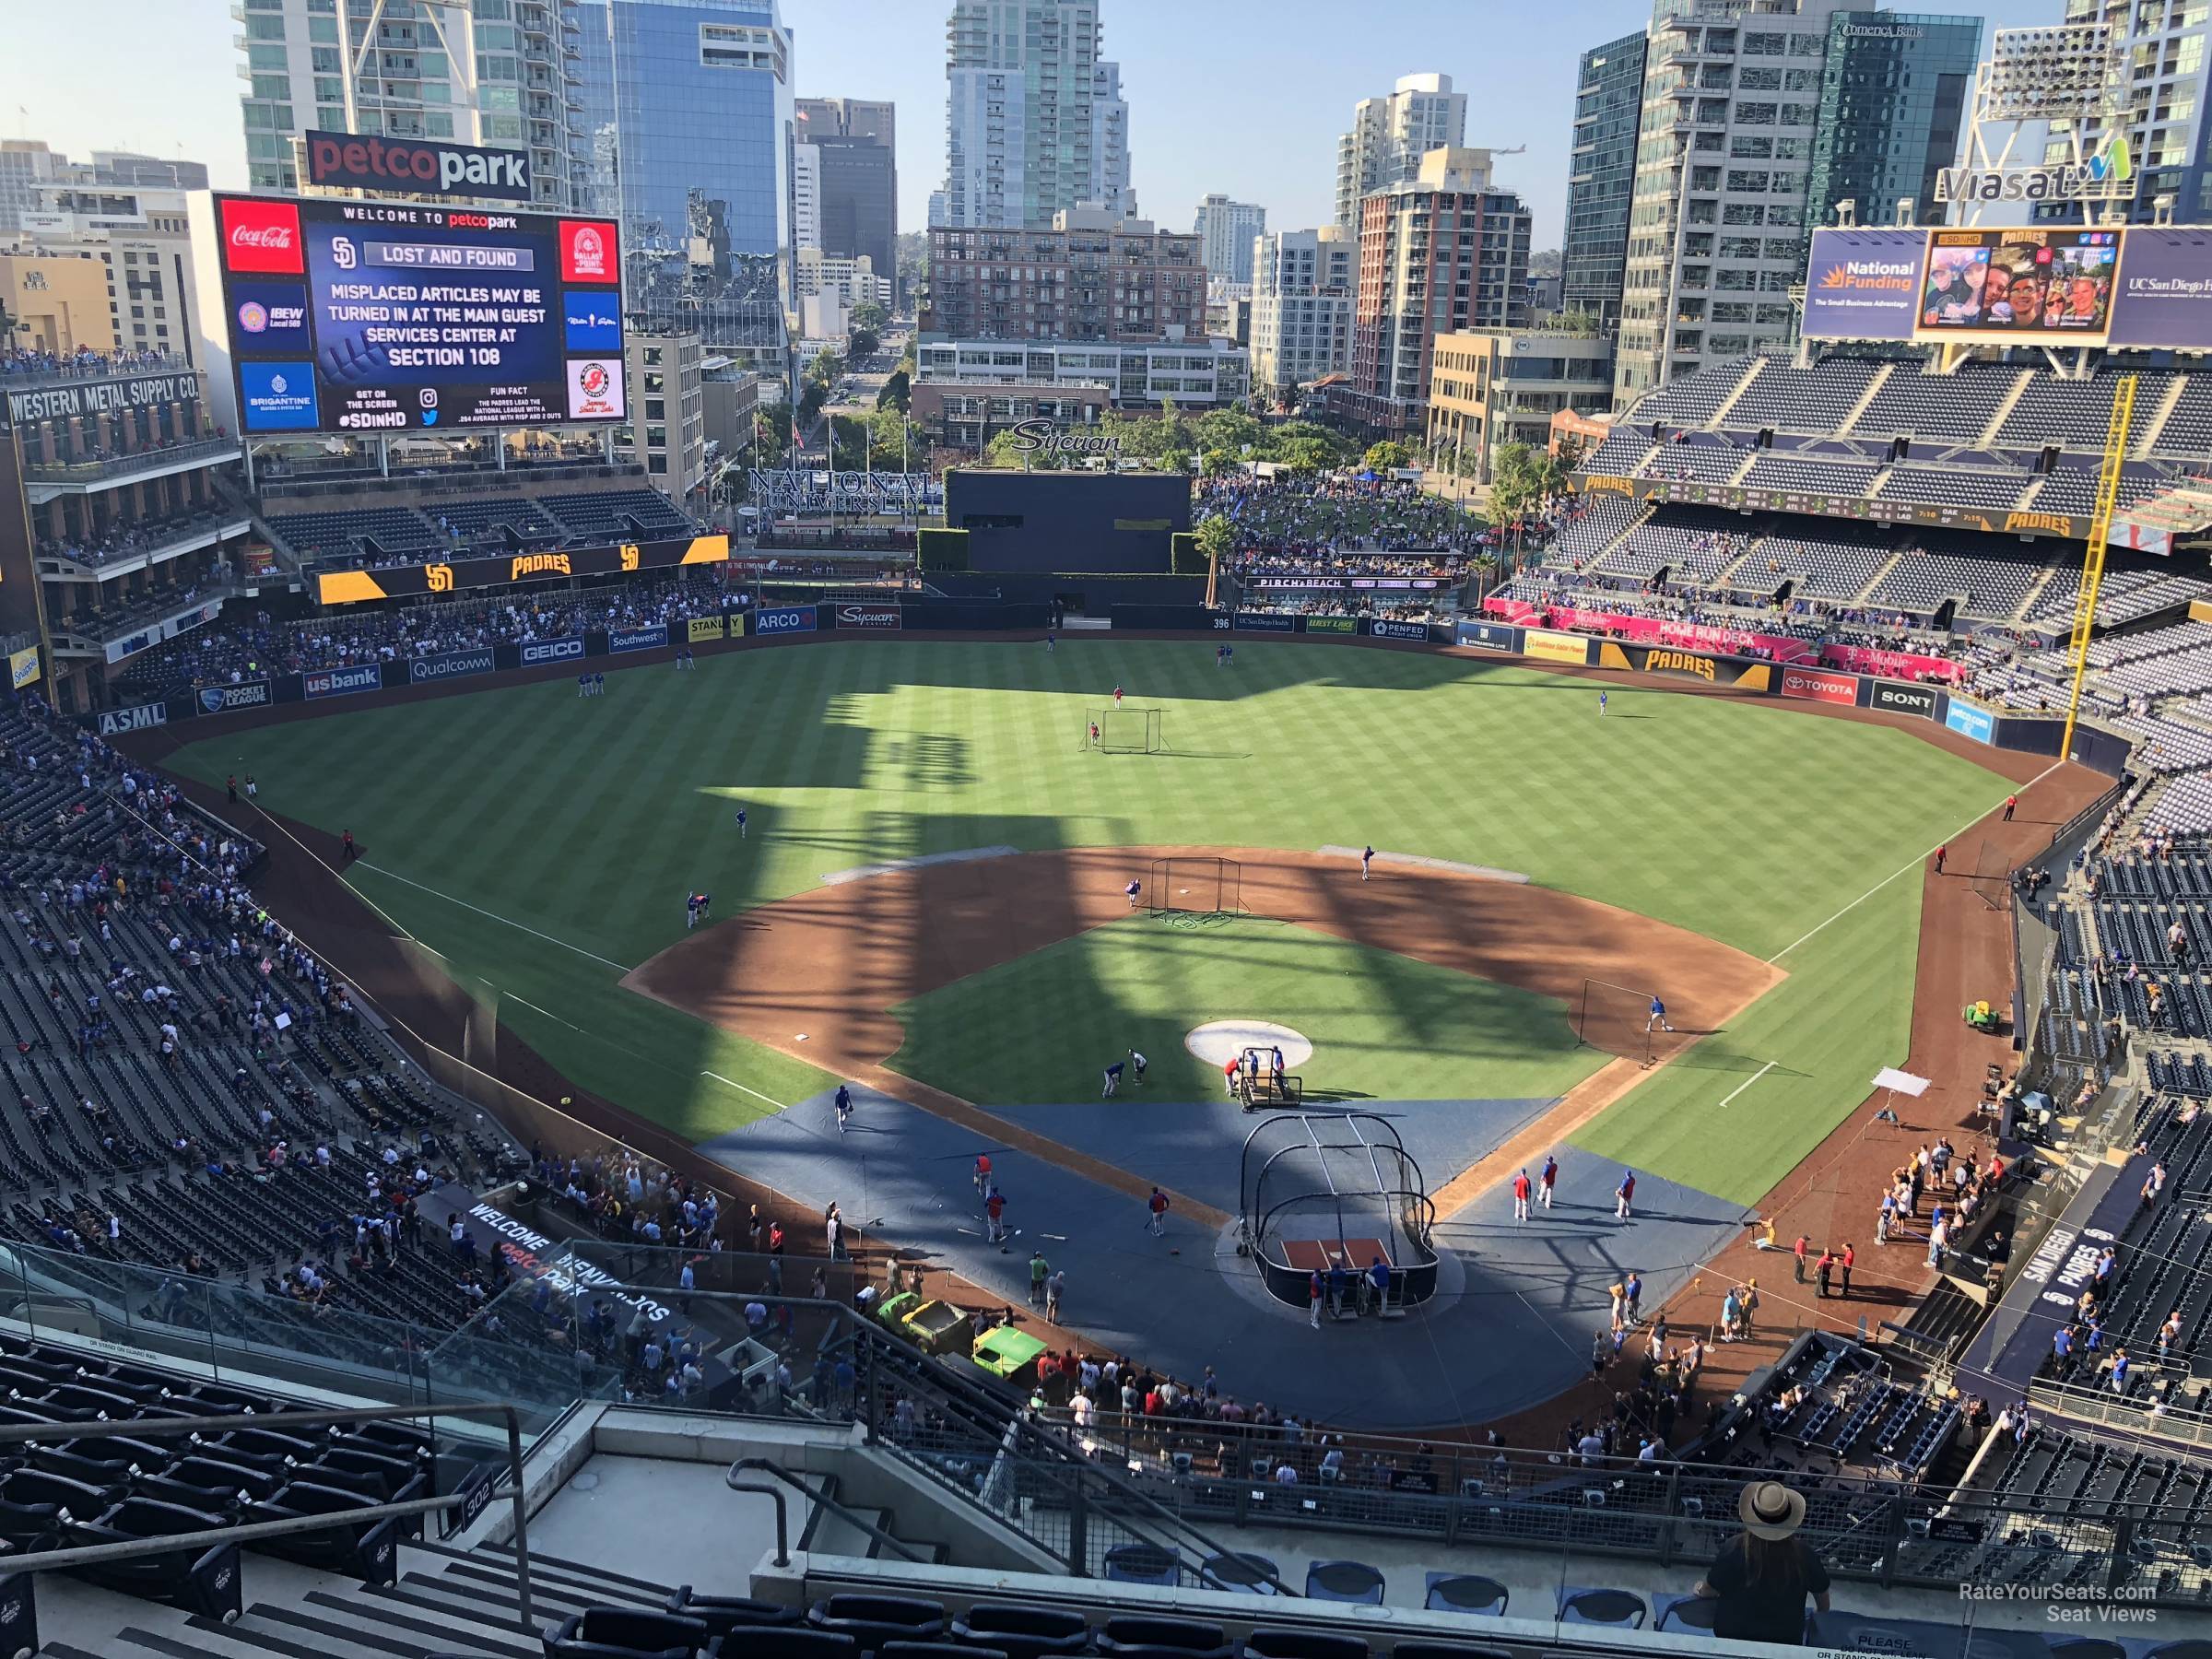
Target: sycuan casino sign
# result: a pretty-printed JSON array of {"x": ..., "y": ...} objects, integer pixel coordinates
[{"x": 1049, "y": 438}]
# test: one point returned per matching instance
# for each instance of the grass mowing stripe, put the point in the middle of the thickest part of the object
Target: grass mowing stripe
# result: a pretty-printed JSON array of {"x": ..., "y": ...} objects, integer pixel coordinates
[{"x": 1685, "y": 808}]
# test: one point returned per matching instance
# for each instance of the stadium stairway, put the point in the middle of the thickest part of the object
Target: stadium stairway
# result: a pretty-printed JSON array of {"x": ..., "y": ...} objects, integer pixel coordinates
[
  {"x": 2150, "y": 427},
  {"x": 1988, "y": 440},
  {"x": 1843, "y": 427},
  {"x": 439, "y": 1606},
  {"x": 1735, "y": 394}
]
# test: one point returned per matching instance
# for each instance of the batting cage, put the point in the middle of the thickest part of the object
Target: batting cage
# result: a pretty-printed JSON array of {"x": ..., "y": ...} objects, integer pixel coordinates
[
  {"x": 1618, "y": 1019},
  {"x": 1318, "y": 1192},
  {"x": 1125, "y": 731},
  {"x": 1199, "y": 889}
]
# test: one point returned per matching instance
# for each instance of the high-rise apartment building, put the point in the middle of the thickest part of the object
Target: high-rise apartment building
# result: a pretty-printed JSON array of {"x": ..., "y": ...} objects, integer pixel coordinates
[
  {"x": 25, "y": 163},
  {"x": 1034, "y": 120},
  {"x": 1109, "y": 186},
  {"x": 805, "y": 196},
  {"x": 1092, "y": 276},
  {"x": 1608, "y": 107},
  {"x": 1225, "y": 231},
  {"x": 1301, "y": 307},
  {"x": 2169, "y": 81},
  {"x": 1389, "y": 137},
  {"x": 417, "y": 71},
  {"x": 1441, "y": 253},
  {"x": 1734, "y": 97}
]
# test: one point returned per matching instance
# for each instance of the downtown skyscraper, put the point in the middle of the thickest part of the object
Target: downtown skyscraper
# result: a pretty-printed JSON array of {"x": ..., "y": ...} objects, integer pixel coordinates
[{"x": 1034, "y": 118}]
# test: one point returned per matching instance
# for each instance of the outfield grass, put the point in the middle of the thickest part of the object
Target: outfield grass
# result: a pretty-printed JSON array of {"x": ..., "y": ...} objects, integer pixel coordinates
[
  {"x": 586, "y": 822},
  {"x": 1384, "y": 1026}
]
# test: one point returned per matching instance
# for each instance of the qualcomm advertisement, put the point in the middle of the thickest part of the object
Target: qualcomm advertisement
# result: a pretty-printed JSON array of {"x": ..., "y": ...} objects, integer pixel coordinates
[
  {"x": 636, "y": 638},
  {"x": 1971, "y": 722},
  {"x": 337, "y": 682},
  {"x": 423, "y": 670},
  {"x": 783, "y": 620},
  {"x": 552, "y": 650}
]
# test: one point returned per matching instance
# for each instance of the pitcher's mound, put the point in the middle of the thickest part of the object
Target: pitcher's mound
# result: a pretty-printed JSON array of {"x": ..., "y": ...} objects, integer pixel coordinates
[{"x": 1221, "y": 1041}]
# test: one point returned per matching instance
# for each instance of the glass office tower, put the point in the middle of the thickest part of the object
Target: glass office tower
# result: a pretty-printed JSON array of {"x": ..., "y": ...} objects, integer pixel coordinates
[
  {"x": 1895, "y": 95},
  {"x": 1608, "y": 103}
]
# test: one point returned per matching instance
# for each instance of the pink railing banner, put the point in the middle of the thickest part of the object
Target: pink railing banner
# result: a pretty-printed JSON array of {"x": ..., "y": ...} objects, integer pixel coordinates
[
  {"x": 1657, "y": 630},
  {"x": 1893, "y": 665}
]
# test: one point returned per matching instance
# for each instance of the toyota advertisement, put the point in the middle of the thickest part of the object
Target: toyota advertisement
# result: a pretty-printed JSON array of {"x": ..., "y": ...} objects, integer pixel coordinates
[{"x": 347, "y": 316}]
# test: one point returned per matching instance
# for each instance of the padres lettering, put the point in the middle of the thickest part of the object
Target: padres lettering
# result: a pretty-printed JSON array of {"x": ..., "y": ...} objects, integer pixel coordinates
[
  {"x": 630, "y": 556},
  {"x": 2058, "y": 523},
  {"x": 440, "y": 577},
  {"x": 530, "y": 564},
  {"x": 1678, "y": 662}
]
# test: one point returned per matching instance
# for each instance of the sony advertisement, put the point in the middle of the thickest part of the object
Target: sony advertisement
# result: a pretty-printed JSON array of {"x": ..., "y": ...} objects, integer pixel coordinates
[
  {"x": 347, "y": 316},
  {"x": 2141, "y": 286}
]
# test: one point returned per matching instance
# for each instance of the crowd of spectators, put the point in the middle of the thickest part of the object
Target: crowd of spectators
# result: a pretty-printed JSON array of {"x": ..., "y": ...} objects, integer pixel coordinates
[
  {"x": 253, "y": 647},
  {"x": 1337, "y": 513},
  {"x": 138, "y": 536},
  {"x": 84, "y": 362}
]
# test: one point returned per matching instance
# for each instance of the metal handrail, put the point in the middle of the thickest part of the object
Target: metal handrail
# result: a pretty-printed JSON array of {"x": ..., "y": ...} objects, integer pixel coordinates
[
  {"x": 775, "y": 1472},
  {"x": 163, "y": 1427}
]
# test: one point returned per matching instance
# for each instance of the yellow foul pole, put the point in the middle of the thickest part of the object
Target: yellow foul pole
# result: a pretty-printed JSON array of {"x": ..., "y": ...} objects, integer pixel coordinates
[{"x": 2092, "y": 560}]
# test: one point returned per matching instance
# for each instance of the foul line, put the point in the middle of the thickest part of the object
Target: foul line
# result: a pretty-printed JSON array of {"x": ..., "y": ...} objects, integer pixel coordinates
[
  {"x": 1914, "y": 864},
  {"x": 1746, "y": 1083},
  {"x": 742, "y": 1089},
  {"x": 493, "y": 915}
]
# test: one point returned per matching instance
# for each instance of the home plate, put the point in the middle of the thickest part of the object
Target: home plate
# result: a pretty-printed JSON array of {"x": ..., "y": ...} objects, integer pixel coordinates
[{"x": 1221, "y": 1041}]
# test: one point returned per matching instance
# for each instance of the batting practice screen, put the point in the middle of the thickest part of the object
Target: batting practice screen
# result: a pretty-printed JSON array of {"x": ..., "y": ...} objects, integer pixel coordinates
[
  {"x": 345, "y": 316},
  {"x": 1197, "y": 886},
  {"x": 1126, "y": 731}
]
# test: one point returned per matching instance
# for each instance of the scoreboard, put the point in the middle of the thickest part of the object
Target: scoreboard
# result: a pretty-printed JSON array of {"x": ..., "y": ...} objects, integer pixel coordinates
[{"x": 353, "y": 316}]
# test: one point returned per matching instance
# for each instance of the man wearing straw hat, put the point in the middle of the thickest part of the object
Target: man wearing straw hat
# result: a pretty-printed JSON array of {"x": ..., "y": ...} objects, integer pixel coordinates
[{"x": 1763, "y": 1574}]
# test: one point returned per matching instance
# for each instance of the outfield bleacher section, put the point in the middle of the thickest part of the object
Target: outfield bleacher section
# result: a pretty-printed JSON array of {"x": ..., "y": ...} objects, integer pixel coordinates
[{"x": 375, "y": 536}]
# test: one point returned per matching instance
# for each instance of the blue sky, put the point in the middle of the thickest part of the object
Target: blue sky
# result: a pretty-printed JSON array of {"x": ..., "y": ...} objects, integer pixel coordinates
[{"x": 1245, "y": 97}]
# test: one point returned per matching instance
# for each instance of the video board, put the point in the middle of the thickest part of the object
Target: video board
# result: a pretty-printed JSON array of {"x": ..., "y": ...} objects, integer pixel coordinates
[
  {"x": 2039, "y": 283},
  {"x": 2141, "y": 286},
  {"x": 346, "y": 316}
]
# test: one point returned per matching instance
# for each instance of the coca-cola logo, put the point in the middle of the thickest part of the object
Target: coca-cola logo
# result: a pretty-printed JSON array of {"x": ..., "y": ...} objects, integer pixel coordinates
[{"x": 261, "y": 236}]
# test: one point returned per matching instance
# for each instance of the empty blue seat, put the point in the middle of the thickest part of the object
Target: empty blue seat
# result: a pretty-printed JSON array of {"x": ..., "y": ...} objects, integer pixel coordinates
[
  {"x": 1248, "y": 1573},
  {"x": 1599, "y": 1606},
  {"x": 1345, "y": 1582},
  {"x": 1143, "y": 1564},
  {"x": 1465, "y": 1593}
]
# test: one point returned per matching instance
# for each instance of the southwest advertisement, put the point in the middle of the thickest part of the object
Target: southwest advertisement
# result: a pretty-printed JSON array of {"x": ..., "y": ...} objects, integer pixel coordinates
[
  {"x": 2142, "y": 286},
  {"x": 346, "y": 316}
]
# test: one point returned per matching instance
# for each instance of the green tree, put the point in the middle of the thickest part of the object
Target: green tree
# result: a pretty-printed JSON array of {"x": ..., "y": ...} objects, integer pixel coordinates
[
  {"x": 887, "y": 426},
  {"x": 1001, "y": 452},
  {"x": 1229, "y": 431},
  {"x": 897, "y": 391},
  {"x": 811, "y": 399},
  {"x": 1215, "y": 540},
  {"x": 1306, "y": 454},
  {"x": 770, "y": 436},
  {"x": 861, "y": 342},
  {"x": 826, "y": 370},
  {"x": 870, "y": 315},
  {"x": 1383, "y": 456}
]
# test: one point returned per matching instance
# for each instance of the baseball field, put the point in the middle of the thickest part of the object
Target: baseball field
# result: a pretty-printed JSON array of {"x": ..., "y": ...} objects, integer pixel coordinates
[{"x": 544, "y": 846}]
